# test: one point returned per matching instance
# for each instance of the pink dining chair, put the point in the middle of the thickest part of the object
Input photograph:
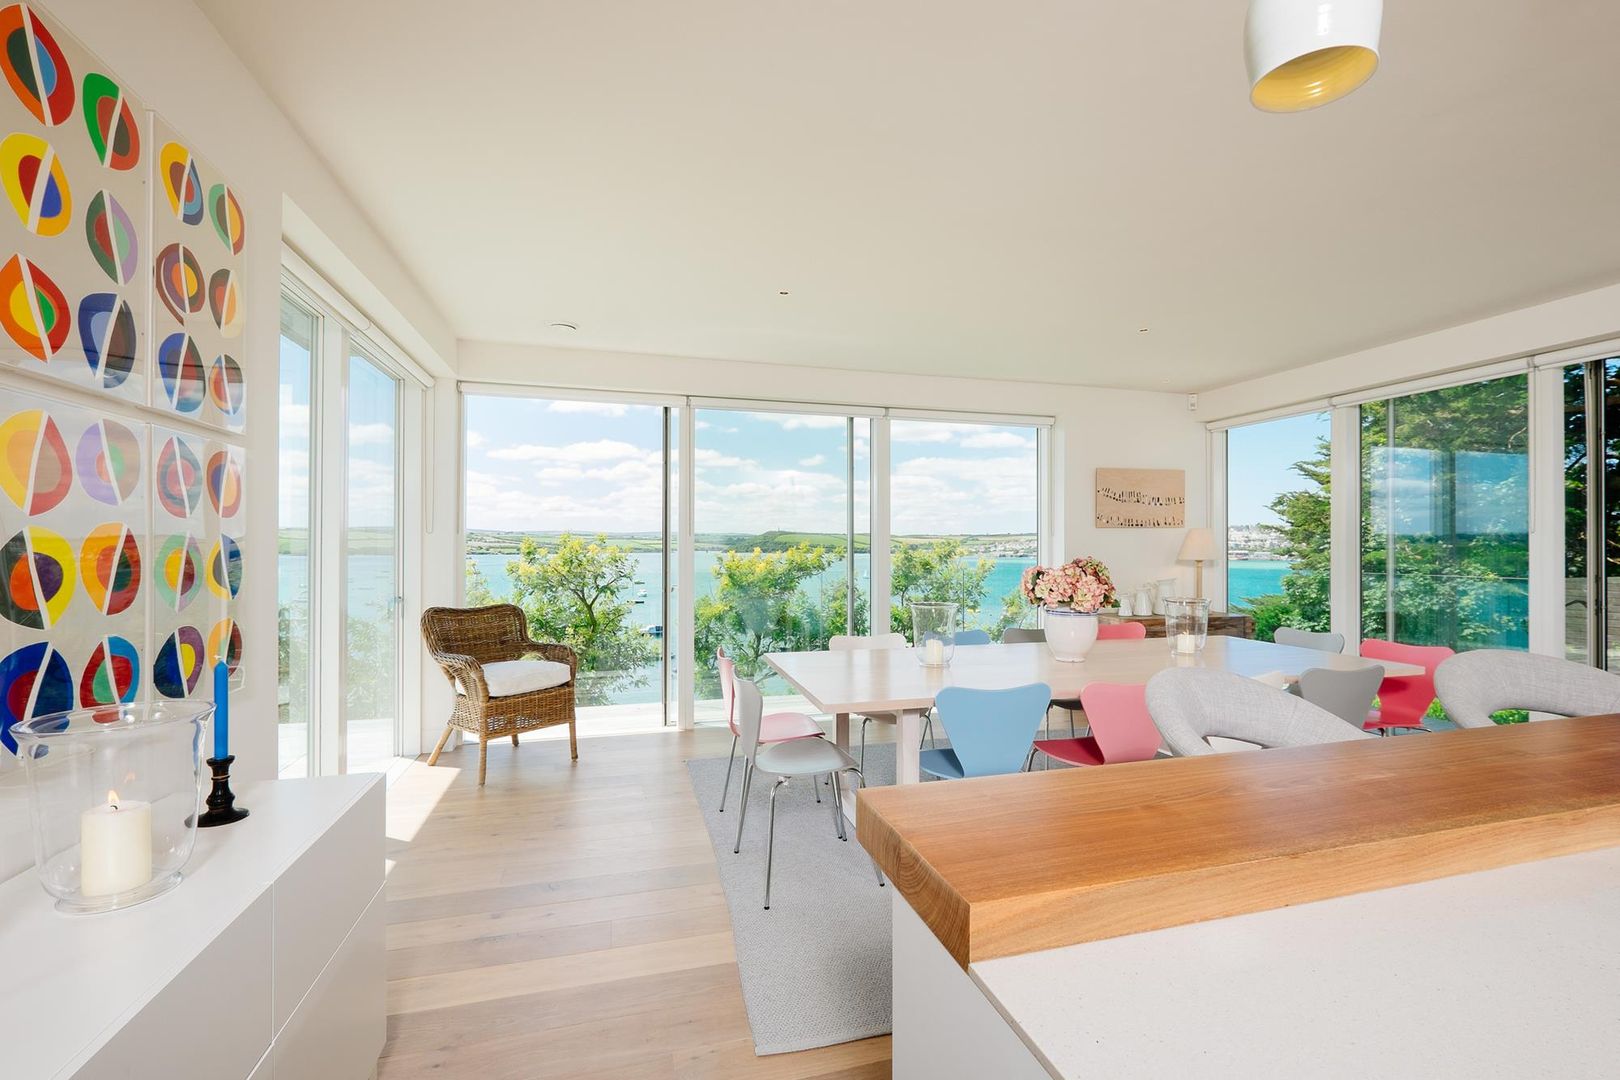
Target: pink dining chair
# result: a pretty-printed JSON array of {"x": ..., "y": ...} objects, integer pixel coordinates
[
  {"x": 1120, "y": 631},
  {"x": 1121, "y": 728},
  {"x": 1403, "y": 699},
  {"x": 774, "y": 728}
]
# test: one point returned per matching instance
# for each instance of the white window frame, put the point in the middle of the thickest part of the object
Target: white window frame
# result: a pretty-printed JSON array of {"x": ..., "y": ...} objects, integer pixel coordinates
[{"x": 342, "y": 328}]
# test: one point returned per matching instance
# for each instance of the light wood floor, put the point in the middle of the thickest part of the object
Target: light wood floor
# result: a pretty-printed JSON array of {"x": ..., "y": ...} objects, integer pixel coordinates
[{"x": 567, "y": 921}]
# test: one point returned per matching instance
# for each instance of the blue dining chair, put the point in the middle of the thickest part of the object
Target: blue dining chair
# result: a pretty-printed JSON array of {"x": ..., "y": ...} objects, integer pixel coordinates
[
  {"x": 962, "y": 637},
  {"x": 991, "y": 731}
]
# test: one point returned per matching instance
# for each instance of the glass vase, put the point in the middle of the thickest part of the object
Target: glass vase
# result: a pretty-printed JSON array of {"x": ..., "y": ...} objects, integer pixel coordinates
[
  {"x": 933, "y": 632},
  {"x": 113, "y": 795},
  {"x": 1186, "y": 625}
]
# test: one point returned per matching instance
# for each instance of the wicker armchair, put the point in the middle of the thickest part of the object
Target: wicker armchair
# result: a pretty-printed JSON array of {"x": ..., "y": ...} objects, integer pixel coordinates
[{"x": 462, "y": 640}]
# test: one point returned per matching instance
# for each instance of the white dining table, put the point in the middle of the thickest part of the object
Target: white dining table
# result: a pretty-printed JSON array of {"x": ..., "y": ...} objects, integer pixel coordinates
[{"x": 868, "y": 681}]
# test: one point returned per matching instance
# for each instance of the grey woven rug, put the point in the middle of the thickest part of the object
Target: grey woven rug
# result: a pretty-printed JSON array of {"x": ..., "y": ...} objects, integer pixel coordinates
[{"x": 815, "y": 968}]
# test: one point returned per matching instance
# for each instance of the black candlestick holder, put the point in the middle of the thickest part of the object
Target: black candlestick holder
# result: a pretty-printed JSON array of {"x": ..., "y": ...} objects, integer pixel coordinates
[{"x": 222, "y": 808}]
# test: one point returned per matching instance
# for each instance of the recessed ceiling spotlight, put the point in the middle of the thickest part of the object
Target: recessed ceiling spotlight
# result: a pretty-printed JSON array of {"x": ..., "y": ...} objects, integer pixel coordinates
[
  {"x": 782, "y": 292},
  {"x": 563, "y": 326},
  {"x": 1141, "y": 330}
]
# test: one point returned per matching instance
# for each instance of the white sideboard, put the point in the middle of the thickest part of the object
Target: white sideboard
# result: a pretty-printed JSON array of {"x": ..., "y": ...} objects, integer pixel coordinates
[{"x": 267, "y": 962}]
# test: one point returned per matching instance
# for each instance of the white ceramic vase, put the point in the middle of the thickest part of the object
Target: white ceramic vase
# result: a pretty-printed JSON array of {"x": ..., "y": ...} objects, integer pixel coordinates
[{"x": 1070, "y": 634}]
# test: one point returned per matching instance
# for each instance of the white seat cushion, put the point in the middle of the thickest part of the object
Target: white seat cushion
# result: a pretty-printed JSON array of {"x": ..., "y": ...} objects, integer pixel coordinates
[{"x": 507, "y": 677}]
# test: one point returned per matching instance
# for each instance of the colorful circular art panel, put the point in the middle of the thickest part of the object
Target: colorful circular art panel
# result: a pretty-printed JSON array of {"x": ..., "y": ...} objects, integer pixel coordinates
[
  {"x": 225, "y": 569},
  {"x": 34, "y": 681},
  {"x": 179, "y": 566},
  {"x": 226, "y": 214},
  {"x": 110, "y": 567},
  {"x": 179, "y": 478},
  {"x": 33, "y": 309},
  {"x": 107, "y": 332},
  {"x": 180, "y": 366},
  {"x": 180, "y": 282},
  {"x": 225, "y": 302},
  {"x": 111, "y": 236},
  {"x": 36, "y": 571},
  {"x": 109, "y": 462},
  {"x": 226, "y": 387},
  {"x": 224, "y": 483},
  {"x": 113, "y": 130},
  {"x": 225, "y": 643},
  {"x": 177, "y": 170},
  {"x": 34, "y": 65},
  {"x": 35, "y": 184},
  {"x": 35, "y": 472},
  {"x": 179, "y": 663},
  {"x": 112, "y": 675}
]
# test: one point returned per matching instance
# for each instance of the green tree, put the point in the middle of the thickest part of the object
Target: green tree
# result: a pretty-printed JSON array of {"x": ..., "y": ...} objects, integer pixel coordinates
[
  {"x": 939, "y": 571},
  {"x": 758, "y": 606},
  {"x": 478, "y": 590},
  {"x": 574, "y": 593}
]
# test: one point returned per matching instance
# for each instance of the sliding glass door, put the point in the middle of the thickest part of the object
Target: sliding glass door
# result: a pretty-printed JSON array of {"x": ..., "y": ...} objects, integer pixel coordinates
[
  {"x": 1445, "y": 516},
  {"x": 565, "y": 511},
  {"x": 779, "y": 564},
  {"x": 371, "y": 567},
  {"x": 295, "y": 561},
  {"x": 1592, "y": 512}
]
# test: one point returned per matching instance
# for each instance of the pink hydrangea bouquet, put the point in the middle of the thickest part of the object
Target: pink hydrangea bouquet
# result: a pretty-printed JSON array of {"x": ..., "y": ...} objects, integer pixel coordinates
[{"x": 1081, "y": 584}]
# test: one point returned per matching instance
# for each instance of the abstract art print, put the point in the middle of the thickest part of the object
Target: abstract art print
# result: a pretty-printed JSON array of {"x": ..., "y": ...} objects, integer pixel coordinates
[
  {"x": 1141, "y": 498},
  {"x": 199, "y": 235},
  {"x": 74, "y": 172}
]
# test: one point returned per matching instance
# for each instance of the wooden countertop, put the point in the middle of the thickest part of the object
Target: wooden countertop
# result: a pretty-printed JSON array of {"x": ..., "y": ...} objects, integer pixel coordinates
[{"x": 1013, "y": 864}]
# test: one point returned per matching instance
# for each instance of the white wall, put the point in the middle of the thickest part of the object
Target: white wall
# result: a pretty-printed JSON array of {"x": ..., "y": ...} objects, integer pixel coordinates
[
  {"x": 1094, "y": 428},
  {"x": 171, "y": 57}
]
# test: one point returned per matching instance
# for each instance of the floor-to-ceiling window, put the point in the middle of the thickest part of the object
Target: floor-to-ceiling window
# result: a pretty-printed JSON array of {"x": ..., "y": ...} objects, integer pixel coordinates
[
  {"x": 1445, "y": 516},
  {"x": 348, "y": 409},
  {"x": 778, "y": 499},
  {"x": 566, "y": 505},
  {"x": 1278, "y": 517},
  {"x": 295, "y": 568},
  {"x": 371, "y": 564},
  {"x": 965, "y": 511},
  {"x": 1592, "y": 495}
]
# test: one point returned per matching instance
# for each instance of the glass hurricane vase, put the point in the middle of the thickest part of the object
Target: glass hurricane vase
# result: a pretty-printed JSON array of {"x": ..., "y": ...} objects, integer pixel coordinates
[{"x": 933, "y": 632}]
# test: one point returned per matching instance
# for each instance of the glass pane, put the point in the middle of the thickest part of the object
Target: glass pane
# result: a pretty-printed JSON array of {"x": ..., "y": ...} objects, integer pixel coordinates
[
  {"x": 772, "y": 529},
  {"x": 1277, "y": 537},
  {"x": 565, "y": 518},
  {"x": 371, "y": 567},
  {"x": 964, "y": 514},
  {"x": 1611, "y": 509},
  {"x": 1577, "y": 596},
  {"x": 294, "y": 570},
  {"x": 1446, "y": 516}
]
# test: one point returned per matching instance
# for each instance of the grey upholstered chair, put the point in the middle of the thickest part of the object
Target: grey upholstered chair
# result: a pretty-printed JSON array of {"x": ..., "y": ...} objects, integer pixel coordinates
[
  {"x": 1473, "y": 685},
  {"x": 1190, "y": 705},
  {"x": 1308, "y": 639},
  {"x": 1346, "y": 694}
]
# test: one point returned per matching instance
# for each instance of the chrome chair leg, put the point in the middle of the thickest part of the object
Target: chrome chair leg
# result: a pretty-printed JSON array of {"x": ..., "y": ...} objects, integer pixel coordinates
[
  {"x": 770, "y": 839},
  {"x": 838, "y": 810},
  {"x": 1029, "y": 761},
  {"x": 815, "y": 785},
  {"x": 742, "y": 811},
  {"x": 864, "y": 721},
  {"x": 726, "y": 787},
  {"x": 861, "y": 781}
]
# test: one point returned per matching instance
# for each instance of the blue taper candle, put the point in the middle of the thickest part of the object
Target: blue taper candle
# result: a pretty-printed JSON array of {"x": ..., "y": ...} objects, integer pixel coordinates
[{"x": 222, "y": 710}]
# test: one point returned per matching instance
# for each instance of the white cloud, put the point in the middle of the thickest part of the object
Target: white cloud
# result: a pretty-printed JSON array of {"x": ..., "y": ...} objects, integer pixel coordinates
[
  {"x": 577, "y": 453},
  {"x": 797, "y": 421},
  {"x": 813, "y": 460},
  {"x": 476, "y": 440},
  {"x": 923, "y": 431},
  {"x": 997, "y": 440},
  {"x": 714, "y": 459},
  {"x": 588, "y": 408},
  {"x": 371, "y": 434}
]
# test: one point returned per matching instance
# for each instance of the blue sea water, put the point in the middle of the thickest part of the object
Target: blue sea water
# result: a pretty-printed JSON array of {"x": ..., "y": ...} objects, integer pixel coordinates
[{"x": 1250, "y": 578}]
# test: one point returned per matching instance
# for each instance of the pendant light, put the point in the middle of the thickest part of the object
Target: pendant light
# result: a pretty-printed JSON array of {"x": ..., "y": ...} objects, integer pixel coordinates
[{"x": 1306, "y": 53}]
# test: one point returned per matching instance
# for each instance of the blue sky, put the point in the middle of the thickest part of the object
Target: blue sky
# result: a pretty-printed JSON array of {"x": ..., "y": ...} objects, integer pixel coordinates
[
  {"x": 596, "y": 466},
  {"x": 1259, "y": 464}
]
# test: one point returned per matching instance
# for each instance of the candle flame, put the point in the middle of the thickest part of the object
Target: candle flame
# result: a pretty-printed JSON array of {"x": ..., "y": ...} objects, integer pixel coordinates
[{"x": 112, "y": 799}]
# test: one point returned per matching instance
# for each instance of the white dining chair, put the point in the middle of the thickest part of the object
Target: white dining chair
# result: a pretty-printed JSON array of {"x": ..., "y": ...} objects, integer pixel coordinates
[
  {"x": 856, "y": 643},
  {"x": 1319, "y": 640},
  {"x": 810, "y": 758}
]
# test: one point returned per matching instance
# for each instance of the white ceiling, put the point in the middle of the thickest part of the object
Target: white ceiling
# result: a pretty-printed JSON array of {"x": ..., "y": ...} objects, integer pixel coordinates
[{"x": 995, "y": 189}]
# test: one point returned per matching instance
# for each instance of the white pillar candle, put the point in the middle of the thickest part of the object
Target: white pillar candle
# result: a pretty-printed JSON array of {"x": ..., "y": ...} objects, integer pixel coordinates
[
  {"x": 935, "y": 652},
  {"x": 115, "y": 847},
  {"x": 1186, "y": 643}
]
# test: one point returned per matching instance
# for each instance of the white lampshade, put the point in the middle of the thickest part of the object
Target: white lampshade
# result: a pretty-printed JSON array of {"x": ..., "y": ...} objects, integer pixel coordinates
[
  {"x": 1198, "y": 547},
  {"x": 1306, "y": 53}
]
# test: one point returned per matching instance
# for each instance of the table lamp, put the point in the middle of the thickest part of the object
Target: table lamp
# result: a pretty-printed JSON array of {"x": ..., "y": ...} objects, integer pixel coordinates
[{"x": 1199, "y": 548}]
